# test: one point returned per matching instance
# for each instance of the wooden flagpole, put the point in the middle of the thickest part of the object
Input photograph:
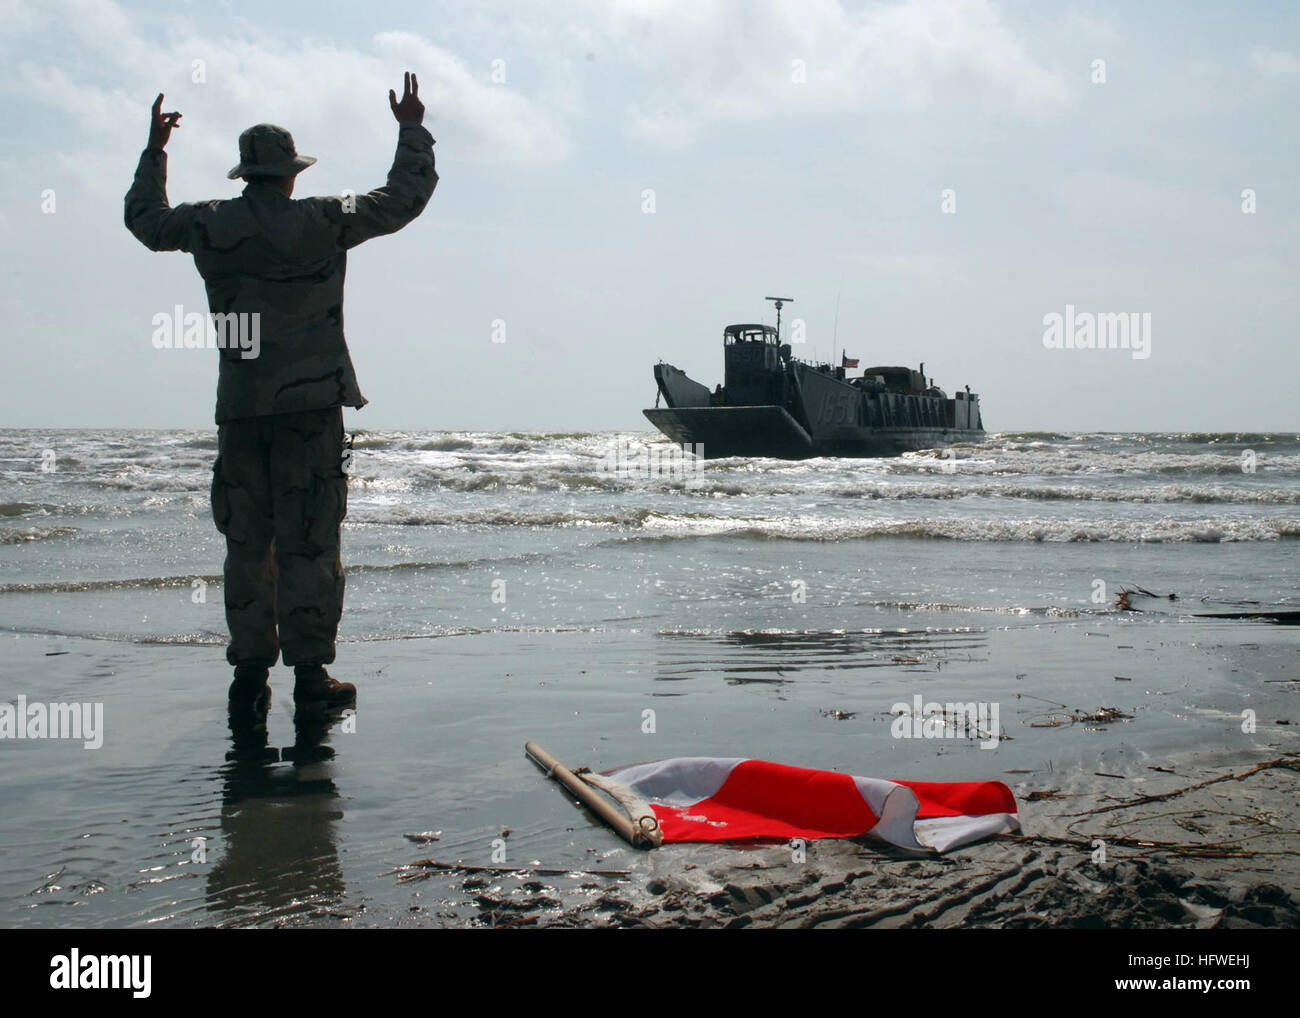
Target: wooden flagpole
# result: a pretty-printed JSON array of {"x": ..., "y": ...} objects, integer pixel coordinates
[{"x": 588, "y": 796}]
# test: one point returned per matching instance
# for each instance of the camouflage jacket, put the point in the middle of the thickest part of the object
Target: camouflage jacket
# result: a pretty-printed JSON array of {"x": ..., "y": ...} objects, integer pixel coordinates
[{"x": 283, "y": 258}]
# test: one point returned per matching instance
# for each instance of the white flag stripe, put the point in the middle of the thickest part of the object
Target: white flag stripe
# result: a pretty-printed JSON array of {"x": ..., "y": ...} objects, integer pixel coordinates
[
  {"x": 943, "y": 833},
  {"x": 680, "y": 782}
]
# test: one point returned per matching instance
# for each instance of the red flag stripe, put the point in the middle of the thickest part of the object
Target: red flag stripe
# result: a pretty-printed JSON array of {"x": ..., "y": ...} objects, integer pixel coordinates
[
  {"x": 763, "y": 799},
  {"x": 961, "y": 798}
]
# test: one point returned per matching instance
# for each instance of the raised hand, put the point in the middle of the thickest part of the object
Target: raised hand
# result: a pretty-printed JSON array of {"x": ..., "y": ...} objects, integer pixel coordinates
[
  {"x": 410, "y": 109},
  {"x": 161, "y": 124}
]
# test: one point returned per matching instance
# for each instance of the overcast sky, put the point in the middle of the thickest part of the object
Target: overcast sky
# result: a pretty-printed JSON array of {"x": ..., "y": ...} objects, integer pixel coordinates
[{"x": 801, "y": 149}]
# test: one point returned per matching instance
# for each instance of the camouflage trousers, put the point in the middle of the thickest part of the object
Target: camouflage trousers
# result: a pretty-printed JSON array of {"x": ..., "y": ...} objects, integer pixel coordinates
[{"x": 279, "y": 495}]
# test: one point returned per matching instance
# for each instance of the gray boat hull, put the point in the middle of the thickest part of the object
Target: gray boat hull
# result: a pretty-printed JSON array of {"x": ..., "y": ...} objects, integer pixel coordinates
[{"x": 718, "y": 432}]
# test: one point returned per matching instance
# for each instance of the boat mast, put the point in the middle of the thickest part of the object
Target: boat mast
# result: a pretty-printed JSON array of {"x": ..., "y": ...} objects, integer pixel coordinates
[{"x": 779, "y": 301}]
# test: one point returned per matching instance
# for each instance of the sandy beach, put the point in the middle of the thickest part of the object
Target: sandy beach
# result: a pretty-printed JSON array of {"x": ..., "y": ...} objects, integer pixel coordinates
[
  {"x": 178, "y": 819},
  {"x": 1209, "y": 846}
]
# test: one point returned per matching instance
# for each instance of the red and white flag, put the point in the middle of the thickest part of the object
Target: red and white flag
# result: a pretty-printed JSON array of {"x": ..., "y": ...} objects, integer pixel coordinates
[{"x": 708, "y": 799}]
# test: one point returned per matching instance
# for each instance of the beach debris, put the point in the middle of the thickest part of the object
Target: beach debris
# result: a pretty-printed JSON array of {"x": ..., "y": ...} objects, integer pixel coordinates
[
  {"x": 1191, "y": 820},
  {"x": 953, "y": 716},
  {"x": 506, "y": 832},
  {"x": 1105, "y": 715},
  {"x": 1284, "y": 614},
  {"x": 1124, "y": 599},
  {"x": 1067, "y": 715},
  {"x": 423, "y": 837},
  {"x": 747, "y": 680},
  {"x": 1171, "y": 596},
  {"x": 422, "y": 869},
  {"x": 1055, "y": 719},
  {"x": 1290, "y": 761},
  {"x": 839, "y": 715}
]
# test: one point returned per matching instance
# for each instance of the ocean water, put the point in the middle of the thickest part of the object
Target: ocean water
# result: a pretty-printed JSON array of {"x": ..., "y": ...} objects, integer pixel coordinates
[
  {"x": 512, "y": 586},
  {"x": 111, "y": 538}
]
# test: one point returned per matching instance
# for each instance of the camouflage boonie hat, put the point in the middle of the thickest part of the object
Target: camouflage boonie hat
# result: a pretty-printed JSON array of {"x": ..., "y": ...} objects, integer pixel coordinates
[{"x": 267, "y": 150}]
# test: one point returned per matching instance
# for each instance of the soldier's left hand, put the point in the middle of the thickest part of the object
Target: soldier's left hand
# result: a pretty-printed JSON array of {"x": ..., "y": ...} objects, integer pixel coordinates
[{"x": 161, "y": 124}]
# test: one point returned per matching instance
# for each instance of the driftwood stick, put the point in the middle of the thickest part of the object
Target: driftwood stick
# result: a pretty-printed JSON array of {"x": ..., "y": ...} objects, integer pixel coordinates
[
  {"x": 1289, "y": 762},
  {"x": 422, "y": 867}
]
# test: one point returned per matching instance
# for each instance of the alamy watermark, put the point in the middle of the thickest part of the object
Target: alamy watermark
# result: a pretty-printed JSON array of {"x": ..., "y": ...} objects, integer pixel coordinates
[
  {"x": 659, "y": 459},
  {"x": 920, "y": 720},
  {"x": 75, "y": 971},
  {"x": 199, "y": 330},
  {"x": 1107, "y": 330},
  {"x": 84, "y": 721}
]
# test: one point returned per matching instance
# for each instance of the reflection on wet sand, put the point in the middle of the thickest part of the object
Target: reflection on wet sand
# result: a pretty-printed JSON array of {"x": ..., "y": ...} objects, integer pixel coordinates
[
  {"x": 767, "y": 656},
  {"x": 278, "y": 853}
]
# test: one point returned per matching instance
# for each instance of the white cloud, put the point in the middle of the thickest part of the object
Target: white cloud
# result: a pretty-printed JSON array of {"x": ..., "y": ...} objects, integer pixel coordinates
[
  {"x": 659, "y": 128},
  {"x": 329, "y": 96},
  {"x": 736, "y": 61},
  {"x": 1274, "y": 63},
  {"x": 680, "y": 67}
]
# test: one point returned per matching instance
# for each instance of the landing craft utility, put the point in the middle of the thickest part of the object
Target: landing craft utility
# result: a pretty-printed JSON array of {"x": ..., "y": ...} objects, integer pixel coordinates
[{"x": 773, "y": 404}]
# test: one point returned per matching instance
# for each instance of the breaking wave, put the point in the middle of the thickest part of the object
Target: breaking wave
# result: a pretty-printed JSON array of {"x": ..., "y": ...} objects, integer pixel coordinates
[
  {"x": 1137, "y": 531},
  {"x": 26, "y": 535}
]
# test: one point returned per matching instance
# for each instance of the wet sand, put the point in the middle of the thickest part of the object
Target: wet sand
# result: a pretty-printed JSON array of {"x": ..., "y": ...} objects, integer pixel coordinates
[
  {"x": 181, "y": 820},
  {"x": 1222, "y": 855}
]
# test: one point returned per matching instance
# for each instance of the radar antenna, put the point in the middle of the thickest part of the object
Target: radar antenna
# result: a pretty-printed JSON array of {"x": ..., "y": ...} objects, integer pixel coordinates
[{"x": 779, "y": 301}]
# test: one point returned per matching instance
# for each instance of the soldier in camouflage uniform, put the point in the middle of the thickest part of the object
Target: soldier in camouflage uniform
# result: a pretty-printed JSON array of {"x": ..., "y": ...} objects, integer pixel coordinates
[{"x": 279, "y": 484}]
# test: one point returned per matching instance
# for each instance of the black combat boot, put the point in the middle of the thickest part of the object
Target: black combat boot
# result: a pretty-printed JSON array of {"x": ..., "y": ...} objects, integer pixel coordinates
[
  {"x": 313, "y": 686},
  {"x": 250, "y": 688}
]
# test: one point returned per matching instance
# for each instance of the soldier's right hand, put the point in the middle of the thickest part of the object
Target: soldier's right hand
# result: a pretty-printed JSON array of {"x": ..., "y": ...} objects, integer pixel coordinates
[{"x": 410, "y": 109}]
